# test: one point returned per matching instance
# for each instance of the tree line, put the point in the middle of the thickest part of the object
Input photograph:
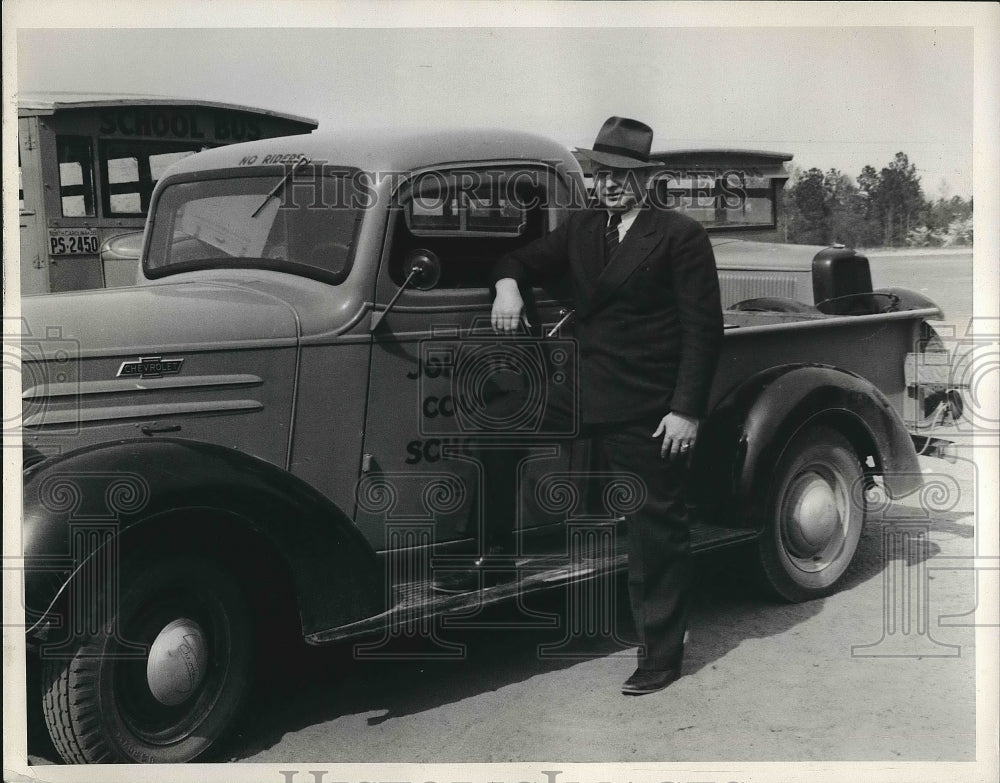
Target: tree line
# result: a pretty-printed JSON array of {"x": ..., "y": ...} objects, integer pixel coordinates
[{"x": 879, "y": 208}]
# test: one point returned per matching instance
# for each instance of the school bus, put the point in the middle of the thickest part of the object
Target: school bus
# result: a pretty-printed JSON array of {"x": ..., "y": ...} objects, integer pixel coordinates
[
  {"x": 87, "y": 167},
  {"x": 733, "y": 192}
]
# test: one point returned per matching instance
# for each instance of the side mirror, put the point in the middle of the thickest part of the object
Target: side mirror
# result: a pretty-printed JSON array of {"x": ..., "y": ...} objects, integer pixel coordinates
[
  {"x": 423, "y": 271},
  {"x": 424, "y": 267}
]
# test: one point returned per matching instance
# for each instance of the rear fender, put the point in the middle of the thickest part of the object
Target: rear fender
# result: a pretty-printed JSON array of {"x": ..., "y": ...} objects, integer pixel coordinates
[
  {"x": 911, "y": 300},
  {"x": 181, "y": 494},
  {"x": 747, "y": 432}
]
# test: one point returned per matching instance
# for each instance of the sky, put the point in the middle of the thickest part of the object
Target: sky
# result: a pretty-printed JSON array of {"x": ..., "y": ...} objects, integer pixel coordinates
[{"x": 833, "y": 96}]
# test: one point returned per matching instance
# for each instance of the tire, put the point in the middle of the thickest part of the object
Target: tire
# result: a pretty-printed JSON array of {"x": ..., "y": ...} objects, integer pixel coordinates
[
  {"x": 164, "y": 677},
  {"x": 814, "y": 515}
]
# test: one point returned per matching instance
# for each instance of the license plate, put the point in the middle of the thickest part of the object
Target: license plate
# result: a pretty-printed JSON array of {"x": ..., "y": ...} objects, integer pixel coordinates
[{"x": 73, "y": 242}]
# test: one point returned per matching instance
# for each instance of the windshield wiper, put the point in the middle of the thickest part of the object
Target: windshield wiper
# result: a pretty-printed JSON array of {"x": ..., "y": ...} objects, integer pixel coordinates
[{"x": 281, "y": 184}]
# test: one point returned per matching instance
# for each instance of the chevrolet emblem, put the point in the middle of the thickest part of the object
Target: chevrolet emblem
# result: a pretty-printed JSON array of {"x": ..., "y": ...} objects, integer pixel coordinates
[{"x": 149, "y": 367}]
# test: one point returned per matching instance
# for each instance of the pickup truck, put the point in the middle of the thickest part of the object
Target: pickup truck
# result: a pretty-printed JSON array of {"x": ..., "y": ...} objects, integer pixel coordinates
[{"x": 273, "y": 428}]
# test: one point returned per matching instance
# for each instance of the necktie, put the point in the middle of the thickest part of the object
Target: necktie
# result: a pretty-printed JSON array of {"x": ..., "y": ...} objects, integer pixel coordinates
[{"x": 611, "y": 236}]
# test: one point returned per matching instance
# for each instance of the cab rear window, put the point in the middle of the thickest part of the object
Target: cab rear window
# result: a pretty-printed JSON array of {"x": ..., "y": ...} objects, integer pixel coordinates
[{"x": 465, "y": 214}]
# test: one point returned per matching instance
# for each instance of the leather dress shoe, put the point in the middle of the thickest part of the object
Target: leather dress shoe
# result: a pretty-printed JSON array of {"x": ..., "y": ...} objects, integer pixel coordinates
[{"x": 645, "y": 681}]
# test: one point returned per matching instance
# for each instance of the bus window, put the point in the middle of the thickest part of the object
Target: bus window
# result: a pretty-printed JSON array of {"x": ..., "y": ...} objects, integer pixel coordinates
[
  {"x": 727, "y": 200},
  {"x": 76, "y": 181},
  {"x": 130, "y": 169}
]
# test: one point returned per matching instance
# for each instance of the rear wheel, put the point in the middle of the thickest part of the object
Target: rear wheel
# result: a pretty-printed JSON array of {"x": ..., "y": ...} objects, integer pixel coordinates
[
  {"x": 815, "y": 513},
  {"x": 165, "y": 675}
]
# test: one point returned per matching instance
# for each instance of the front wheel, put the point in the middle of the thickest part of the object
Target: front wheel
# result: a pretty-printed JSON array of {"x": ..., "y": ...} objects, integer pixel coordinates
[
  {"x": 814, "y": 515},
  {"x": 162, "y": 677}
]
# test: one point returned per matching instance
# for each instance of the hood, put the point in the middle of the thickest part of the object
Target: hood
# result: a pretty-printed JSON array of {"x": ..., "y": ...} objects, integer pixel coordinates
[
  {"x": 205, "y": 361},
  {"x": 163, "y": 318}
]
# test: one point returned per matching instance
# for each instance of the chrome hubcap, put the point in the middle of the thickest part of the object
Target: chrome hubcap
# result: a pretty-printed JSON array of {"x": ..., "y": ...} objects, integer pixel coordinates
[
  {"x": 813, "y": 522},
  {"x": 178, "y": 662}
]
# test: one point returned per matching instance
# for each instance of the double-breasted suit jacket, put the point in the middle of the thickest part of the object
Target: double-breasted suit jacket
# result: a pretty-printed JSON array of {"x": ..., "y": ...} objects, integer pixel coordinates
[{"x": 648, "y": 320}]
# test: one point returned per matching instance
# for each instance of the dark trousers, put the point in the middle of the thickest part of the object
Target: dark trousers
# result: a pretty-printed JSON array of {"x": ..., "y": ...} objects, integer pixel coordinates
[
  {"x": 659, "y": 562},
  {"x": 659, "y": 540}
]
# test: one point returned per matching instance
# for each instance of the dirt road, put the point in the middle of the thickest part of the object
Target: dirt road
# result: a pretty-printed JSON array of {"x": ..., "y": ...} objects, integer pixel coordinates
[{"x": 762, "y": 681}]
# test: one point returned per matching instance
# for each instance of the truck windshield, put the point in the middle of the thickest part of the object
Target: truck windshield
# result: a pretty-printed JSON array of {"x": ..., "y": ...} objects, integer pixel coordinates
[{"x": 230, "y": 223}]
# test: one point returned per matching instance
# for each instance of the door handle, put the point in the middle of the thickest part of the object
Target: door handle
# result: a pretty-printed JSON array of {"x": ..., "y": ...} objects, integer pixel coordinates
[
  {"x": 157, "y": 429},
  {"x": 564, "y": 316}
]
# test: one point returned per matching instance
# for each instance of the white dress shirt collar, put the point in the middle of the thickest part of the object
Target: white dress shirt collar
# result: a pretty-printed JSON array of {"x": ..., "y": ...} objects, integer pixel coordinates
[{"x": 628, "y": 218}]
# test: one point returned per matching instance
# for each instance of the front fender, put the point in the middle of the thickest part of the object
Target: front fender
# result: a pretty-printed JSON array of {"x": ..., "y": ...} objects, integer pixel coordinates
[
  {"x": 130, "y": 489},
  {"x": 747, "y": 431}
]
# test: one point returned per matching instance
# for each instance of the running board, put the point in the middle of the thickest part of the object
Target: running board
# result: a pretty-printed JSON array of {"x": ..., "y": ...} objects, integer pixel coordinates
[{"x": 418, "y": 600}]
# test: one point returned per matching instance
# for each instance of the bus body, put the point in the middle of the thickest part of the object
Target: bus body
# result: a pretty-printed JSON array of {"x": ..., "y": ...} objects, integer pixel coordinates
[{"x": 87, "y": 167}]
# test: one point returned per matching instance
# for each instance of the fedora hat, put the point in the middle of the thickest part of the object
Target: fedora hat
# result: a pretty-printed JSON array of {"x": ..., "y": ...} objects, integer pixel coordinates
[{"x": 622, "y": 144}]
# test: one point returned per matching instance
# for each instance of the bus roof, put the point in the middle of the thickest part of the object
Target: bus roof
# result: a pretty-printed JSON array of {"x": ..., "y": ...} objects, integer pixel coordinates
[
  {"x": 713, "y": 153},
  {"x": 768, "y": 164},
  {"x": 39, "y": 103}
]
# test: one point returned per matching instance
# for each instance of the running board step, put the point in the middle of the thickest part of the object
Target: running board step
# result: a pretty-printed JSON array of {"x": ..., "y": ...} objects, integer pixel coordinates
[{"x": 419, "y": 600}]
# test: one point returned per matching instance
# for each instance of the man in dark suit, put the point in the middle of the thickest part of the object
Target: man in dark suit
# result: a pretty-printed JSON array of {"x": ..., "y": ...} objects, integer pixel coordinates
[{"x": 649, "y": 324}]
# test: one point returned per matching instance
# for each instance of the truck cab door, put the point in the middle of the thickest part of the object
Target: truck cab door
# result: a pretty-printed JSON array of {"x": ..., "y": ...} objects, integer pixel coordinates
[{"x": 435, "y": 359}]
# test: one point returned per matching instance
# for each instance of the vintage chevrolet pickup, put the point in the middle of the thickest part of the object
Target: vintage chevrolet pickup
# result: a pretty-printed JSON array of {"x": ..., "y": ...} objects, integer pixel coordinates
[{"x": 274, "y": 427}]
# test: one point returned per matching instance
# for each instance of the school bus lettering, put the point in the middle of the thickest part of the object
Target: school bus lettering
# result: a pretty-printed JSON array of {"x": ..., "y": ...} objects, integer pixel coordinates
[
  {"x": 233, "y": 127},
  {"x": 147, "y": 122},
  {"x": 172, "y": 124}
]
